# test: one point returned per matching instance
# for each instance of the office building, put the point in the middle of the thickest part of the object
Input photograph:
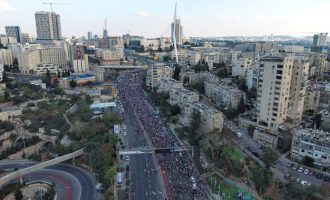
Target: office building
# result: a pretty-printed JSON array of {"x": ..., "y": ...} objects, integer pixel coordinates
[
  {"x": 273, "y": 95},
  {"x": 89, "y": 35},
  {"x": 14, "y": 31},
  {"x": 319, "y": 43},
  {"x": 110, "y": 56},
  {"x": 80, "y": 60},
  {"x": 48, "y": 26},
  {"x": 312, "y": 143},
  {"x": 7, "y": 40},
  {"x": 6, "y": 57}
]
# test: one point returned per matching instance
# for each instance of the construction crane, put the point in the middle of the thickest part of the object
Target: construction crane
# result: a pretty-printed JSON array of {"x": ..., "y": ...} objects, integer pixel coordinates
[{"x": 51, "y": 4}]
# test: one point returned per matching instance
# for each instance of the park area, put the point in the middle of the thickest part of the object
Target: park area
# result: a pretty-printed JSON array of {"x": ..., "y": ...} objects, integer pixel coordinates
[{"x": 226, "y": 189}]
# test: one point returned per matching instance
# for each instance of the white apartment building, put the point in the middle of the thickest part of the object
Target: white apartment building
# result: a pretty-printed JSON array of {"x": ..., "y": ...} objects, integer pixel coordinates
[
  {"x": 6, "y": 57},
  {"x": 187, "y": 56},
  {"x": 152, "y": 44},
  {"x": 114, "y": 41},
  {"x": 298, "y": 90},
  {"x": 111, "y": 56},
  {"x": 240, "y": 66},
  {"x": 182, "y": 97},
  {"x": 273, "y": 97},
  {"x": 167, "y": 84},
  {"x": 222, "y": 94},
  {"x": 251, "y": 77},
  {"x": 48, "y": 26},
  {"x": 156, "y": 72},
  {"x": 312, "y": 143},
  {"x": 1, "y": 72},
  {"x": 53, "y": 55},
  {"x": 30, "y": 59},
  {"x": 6, "y": 40}
]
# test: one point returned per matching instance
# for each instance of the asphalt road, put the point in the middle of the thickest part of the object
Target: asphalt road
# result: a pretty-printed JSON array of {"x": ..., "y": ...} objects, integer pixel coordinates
[
  {"x": 145, "y": 181},
  {"x": 71, "y": 182}
]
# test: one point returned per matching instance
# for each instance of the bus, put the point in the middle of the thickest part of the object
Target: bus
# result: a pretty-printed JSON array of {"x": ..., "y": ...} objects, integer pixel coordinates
[{"x": 119, "y": 179}]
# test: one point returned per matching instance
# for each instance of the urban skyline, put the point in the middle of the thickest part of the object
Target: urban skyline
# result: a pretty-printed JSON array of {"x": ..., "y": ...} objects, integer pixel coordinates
[{"x": 152, "y": 19}]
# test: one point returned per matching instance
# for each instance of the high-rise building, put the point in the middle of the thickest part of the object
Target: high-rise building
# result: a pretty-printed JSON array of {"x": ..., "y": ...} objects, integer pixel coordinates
[
  {"x": 319, "y": 42},
  {"x": 89, "y": 35},
  {"x": 48, "y": 26},
  {"x": 320, "y": 39},
  {"x": 299, "y": 79},
  {"x": 14, "y": 31},
  {"x": 176, "y": 29},
  {"x": 273, "y": 97}
]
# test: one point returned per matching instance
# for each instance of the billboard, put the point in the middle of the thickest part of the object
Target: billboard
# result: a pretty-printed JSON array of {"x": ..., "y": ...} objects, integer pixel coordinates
[{"x": 78, "y": 53}]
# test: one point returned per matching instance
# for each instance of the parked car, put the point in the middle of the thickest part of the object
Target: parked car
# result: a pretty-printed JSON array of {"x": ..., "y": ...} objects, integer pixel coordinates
[
  {"x": 294, "y": 167},
  {"x": 300, "y": 169},
  {"x": 326, "y": 178},
  {"x": 306, "y": 171},
  {"x": 303, "y": 183},
  {"x": 319, "y": 176},
  {"x": 289, "y": 164},
  {"x": 311, "y": 173}
]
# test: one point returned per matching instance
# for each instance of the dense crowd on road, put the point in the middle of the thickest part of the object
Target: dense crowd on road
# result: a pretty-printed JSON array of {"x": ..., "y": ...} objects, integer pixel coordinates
[{"x": 184, "y": 179}]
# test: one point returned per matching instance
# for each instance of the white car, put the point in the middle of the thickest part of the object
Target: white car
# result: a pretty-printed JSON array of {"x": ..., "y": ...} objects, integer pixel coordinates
[
  {"x": 303, "y": 183},
  {"x": 306, "y": 171},
  {"x": 301, "y": 170}
]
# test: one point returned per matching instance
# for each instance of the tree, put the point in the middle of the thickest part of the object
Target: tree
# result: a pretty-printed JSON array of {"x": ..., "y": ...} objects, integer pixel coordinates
[
  {"x": 18, "y": 194},
  {"x": 241, "y": 106},
  {"x": 261, "y": 178},
  {"x": 308, "y": 161},
  {"x": 252, "y": 93},
  {"x": 175, "y": 109},
  {"x": 50, "y": 194},
  {"x": 196, "y": 121},
  {"x": 269, "y": 157},
  {"x": 5, "y": 77},
  {"x": 176, "y": 74},
  {"x": 6, "y": 95},
  {"x": 251, "y": 129},
  {"x": 73, "y": 84},
  {"x": 160, "y": 49},
  {"x": 222, "y": 73},
  {"x": 318, "y": 120}
]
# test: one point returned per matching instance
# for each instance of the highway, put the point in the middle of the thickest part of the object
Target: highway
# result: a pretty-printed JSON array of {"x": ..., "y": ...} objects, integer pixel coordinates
[
  {"x": 71, "y": 182},
  {"x": 145, "y": 181}
]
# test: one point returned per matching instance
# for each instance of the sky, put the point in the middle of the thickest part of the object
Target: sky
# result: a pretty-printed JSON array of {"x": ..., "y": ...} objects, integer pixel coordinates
[{"x": 152, "y": 18}]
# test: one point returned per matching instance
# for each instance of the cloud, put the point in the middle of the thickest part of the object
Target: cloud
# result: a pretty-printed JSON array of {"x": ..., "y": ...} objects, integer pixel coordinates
[
  {"x": 4, "y": 6},
  {"x": 143, "y": 14}
]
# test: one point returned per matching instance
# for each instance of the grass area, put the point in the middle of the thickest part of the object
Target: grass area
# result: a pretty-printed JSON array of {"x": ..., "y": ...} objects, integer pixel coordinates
[
  {"x": 227, "y": 191},
  {"x": 236, "y": 154}
]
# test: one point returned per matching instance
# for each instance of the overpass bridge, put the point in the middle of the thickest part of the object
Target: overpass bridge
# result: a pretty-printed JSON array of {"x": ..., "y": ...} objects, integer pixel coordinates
[
  {"x": 122, "y": 66},
  {"x": 5, "y": 179}
]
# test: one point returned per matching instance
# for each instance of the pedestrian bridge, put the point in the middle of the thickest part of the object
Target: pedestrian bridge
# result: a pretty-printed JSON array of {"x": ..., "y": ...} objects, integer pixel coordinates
[{"x": 5, "y": 179}]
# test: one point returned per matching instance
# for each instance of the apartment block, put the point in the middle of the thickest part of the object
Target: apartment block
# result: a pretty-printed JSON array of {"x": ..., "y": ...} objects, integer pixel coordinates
[
  {"x": 273, "y": 96},
  {"x": 298, "y": 90},
  {"x": 6, "y": 57},
  {"x": 312, "y": 143},
  {"x": 167, "y": 84},
  {"x": 223, "y": 94},
  {"x": 156, "y": 72}
]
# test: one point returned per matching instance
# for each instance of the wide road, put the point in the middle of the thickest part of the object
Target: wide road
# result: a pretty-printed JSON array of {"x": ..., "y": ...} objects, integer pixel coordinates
[
  {"x": 144, "y": 174},
  {"x": 71, "y": 182}
]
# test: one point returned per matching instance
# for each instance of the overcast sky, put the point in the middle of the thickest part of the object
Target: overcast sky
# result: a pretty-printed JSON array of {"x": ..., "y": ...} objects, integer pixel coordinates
[{"x": 152, "y": 18}]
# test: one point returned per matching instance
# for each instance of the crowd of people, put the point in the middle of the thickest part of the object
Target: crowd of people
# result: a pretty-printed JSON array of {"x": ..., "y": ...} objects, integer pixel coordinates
[{"x": 184, "y": 180}]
